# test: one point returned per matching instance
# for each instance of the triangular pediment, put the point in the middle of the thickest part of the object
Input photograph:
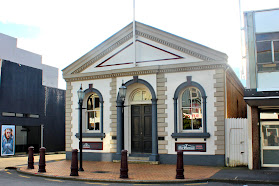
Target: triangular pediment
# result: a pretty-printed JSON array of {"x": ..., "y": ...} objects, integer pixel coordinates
[
  {"x": 153, "y": 48},
  {"x": 127, "y": 55}
]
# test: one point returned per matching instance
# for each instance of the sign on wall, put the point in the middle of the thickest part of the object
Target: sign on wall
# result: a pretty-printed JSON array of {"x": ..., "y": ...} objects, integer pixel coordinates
[
  {"x": 197, "y": 147},
  {"x": 92, "y": 145},
  {"x": 7, "y": 140}
]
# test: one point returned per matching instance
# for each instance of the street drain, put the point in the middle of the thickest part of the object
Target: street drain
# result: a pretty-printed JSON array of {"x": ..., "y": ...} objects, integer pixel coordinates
[{"x": 100, "y": 172}]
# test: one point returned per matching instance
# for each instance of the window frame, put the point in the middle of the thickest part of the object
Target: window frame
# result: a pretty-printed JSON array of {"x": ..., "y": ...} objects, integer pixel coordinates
[
  {"x": 100, "y": 133},
  {"x": 272, "y": 38},
  {"x": 177, "y": 123}
]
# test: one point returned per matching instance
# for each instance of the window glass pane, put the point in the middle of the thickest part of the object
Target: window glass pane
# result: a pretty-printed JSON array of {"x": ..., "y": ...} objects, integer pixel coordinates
[
  {"x": 97, "y": 102},
  {"x": 268, "y": 67},
  {"x": 137, "y": 96},
  {"x": 264, "y": 54},
  {"x": 197, "y": 123},
  {"x": 90, "y": 120},
  {"x": 276, "y": 50},
  {"x": 89, "y": 103},
  {"x": 186, "y": 115},
  {"x": 146, "y": 96},
  {"x": 271, "y": 135},
  {"x": 186, "y": 98}
]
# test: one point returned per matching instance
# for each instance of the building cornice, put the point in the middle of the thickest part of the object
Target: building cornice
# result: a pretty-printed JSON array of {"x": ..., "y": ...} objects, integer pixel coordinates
[{"x": 143, "y": 71}]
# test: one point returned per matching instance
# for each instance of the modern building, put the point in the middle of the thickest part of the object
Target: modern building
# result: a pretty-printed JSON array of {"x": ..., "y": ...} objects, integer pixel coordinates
[
  {"x": 262, "y": 93},
  {"x": 30, "y": 99},
  {"x": 178, "y": 96}
]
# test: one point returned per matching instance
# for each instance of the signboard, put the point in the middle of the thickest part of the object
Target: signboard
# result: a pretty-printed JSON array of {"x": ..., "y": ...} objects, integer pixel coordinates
[
  {"x": 92, "y": 145},
  {"x": 194, "y": 147},
  {"x": 7, "y": 140}
]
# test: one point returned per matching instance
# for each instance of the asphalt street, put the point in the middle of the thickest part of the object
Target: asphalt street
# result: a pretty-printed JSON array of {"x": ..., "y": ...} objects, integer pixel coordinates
[{"x": 11, "y": 177}]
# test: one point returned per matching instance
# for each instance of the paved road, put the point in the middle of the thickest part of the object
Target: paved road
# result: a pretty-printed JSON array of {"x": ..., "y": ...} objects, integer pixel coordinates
[{"x": 13, "y": 178}]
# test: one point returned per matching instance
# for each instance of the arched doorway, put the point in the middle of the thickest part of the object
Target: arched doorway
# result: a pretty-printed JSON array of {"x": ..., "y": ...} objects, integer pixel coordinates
[
  {"x": 122, "y": 116},
  {"x": 140, "y": 120}
]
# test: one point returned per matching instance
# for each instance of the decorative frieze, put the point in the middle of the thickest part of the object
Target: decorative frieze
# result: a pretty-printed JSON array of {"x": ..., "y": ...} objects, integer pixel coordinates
[{"x": 145, "y": 71}]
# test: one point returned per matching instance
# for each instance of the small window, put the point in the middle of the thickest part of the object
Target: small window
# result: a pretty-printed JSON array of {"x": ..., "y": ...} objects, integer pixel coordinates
[
  {"x": 93, "y": 112},
  {"x": 267, "y": 52},
  {"x": 191, "y": 109}
]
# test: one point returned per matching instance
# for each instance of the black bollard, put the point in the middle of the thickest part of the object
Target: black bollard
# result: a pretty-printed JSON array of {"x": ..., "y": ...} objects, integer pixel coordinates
[
  {"x": 42, "y": 161},
  {"x": 124, "y": 164},
  {"x": 30, "y": 157},
  {"x": 74, "y": 164},
  {"x": 179, "y": 165}
]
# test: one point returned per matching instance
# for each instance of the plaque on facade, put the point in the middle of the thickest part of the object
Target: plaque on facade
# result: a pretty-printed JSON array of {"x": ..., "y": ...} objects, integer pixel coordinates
[
  {"x": 92, "y": 145},
  {"x": 197, "y": 147}
]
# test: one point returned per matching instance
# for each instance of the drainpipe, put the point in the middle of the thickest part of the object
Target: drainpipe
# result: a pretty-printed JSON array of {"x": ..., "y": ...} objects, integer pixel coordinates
[{"x": 226, "y": 113}]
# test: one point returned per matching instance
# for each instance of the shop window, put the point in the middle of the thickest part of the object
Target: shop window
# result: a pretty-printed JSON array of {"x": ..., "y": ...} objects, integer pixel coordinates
[
  {"x": 93, "y": 112},
  {"x": 191, "y": 109},
  {"x": 267, "y": 48}
]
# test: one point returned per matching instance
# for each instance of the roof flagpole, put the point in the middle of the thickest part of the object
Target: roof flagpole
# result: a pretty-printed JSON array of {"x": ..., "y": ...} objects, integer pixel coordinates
[{"x": 134, "y": 34}]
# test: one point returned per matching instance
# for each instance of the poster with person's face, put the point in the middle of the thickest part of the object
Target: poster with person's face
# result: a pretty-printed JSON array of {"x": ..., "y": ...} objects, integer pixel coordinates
[{"x": 7, "y": 140}]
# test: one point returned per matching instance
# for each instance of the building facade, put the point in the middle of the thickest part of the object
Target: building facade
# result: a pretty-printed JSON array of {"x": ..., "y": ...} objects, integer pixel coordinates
[
  {"x": 178, "y": 96},
  {"x": 262, "y": 44},
  {"x": 36, "y": 110}
]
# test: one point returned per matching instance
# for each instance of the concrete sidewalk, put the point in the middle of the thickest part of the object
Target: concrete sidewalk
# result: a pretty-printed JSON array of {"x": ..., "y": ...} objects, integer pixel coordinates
[
  {"x": 21, "y": 160},
  {"x": 58, "y": 167}
]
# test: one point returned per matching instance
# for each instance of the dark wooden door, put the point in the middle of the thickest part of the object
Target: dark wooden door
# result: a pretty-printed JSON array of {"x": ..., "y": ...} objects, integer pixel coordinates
[{"x": 141, "y": 129}]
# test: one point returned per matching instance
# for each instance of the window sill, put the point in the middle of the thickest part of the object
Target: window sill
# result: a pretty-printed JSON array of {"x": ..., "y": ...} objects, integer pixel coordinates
[
  {"x": 190, "y": 135},
  {"x": 91, "y": 135}
]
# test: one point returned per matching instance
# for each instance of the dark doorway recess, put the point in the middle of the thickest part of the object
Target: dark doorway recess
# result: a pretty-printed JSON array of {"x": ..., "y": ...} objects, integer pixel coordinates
[{"x": 141, "y": 129}]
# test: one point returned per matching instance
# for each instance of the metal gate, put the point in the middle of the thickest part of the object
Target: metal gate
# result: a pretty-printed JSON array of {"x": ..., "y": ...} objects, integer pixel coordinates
[{"x": 236, "y": 133}]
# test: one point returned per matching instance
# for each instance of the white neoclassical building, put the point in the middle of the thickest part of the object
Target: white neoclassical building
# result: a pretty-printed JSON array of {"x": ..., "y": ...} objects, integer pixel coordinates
[{"x": 177, "y": 99}]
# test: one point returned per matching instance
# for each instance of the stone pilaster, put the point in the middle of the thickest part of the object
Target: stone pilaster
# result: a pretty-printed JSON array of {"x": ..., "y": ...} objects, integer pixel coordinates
[
  {"x": 161, "y": 112},
  {"x": 219, "y": 114},
  {"x": 113, "y": 116},
  {"x": 68, "y": 117}
]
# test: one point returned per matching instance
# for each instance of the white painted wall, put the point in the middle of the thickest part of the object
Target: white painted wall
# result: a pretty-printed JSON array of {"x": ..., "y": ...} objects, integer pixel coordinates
[
  {"x": 103, "y": 85},
  {"x": 10, "y": 52},
  {"x": 268, "y": 81},
  {"x": 267, "y": 21},
  {"x": 205, "y": 79}
]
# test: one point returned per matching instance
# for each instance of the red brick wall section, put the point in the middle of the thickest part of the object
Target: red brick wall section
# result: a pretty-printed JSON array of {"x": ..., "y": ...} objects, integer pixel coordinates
[{"x": 236, "y": 106}]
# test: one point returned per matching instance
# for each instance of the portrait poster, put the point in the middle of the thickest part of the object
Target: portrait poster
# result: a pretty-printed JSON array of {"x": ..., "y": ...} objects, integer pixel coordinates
[{"x": 7, "y": 140}]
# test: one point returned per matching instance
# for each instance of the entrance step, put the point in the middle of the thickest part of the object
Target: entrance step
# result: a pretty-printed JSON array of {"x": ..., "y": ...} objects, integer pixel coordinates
[{"x": 139, "y": 160}]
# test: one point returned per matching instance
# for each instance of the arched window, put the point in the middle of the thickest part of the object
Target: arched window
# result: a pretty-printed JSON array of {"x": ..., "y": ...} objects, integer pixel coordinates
[
  {"x": 93, "y": 112},
  {"x": 191, "y": 109}
]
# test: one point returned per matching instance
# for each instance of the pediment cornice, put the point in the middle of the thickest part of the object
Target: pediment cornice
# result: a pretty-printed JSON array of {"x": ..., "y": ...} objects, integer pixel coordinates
[{"x": 143, "y": 71}]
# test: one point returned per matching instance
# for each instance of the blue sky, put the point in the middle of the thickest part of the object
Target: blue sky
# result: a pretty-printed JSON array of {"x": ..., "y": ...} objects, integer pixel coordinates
[
  {"x": 19, "y": 30},
  {"x": 62, "y": 31}
]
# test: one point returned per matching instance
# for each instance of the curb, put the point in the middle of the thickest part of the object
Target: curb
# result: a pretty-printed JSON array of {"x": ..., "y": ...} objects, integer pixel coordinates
[
  {"x": 114, "y": 181},
  {"x": 153, "y": 181},
  {"x": 244, "y": 181}
]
